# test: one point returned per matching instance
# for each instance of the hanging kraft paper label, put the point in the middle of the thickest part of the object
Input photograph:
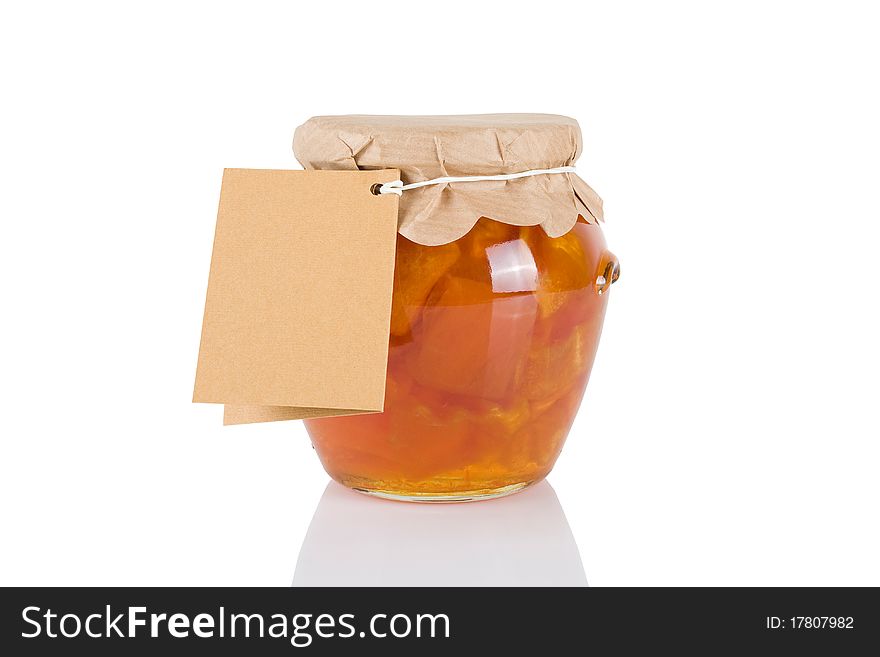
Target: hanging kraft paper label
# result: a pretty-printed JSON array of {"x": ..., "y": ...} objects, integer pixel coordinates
[{"x": 298, "y": 307}]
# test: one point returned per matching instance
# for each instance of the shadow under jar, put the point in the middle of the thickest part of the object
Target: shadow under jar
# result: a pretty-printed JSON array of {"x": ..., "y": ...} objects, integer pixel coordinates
[{"x": 492, "y": 339}]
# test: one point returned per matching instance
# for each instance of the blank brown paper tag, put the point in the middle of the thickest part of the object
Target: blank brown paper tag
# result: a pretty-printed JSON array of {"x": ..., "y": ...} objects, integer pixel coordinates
[{"x": 299, "y": 295}]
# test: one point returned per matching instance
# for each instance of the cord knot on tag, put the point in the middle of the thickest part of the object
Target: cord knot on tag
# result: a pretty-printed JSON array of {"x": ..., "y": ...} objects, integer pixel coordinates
[{"x": 393, "y": 187}]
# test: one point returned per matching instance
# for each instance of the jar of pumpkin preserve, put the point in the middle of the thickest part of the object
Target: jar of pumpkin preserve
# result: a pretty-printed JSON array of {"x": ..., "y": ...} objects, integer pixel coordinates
[{"x": 500, "y": 289}]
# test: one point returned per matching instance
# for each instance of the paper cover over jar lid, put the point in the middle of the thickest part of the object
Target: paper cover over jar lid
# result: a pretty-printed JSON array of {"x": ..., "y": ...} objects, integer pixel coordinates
[{"x": 428, "y": 147}]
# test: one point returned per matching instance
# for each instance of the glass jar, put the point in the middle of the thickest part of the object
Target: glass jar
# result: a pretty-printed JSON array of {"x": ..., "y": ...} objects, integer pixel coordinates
[{"x": 492, "y": 339}]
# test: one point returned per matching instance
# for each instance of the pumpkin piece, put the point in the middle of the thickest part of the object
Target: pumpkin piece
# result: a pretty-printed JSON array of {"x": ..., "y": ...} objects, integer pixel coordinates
[
  {"x": 471, "y": 342},
  {"x": 416, "y": 272}
]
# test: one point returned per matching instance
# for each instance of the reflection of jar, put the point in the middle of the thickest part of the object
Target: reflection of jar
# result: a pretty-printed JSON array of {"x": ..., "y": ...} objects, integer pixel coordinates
[
  {"x": 493, "y": 335},
  {"x": 524, "y": 540}
]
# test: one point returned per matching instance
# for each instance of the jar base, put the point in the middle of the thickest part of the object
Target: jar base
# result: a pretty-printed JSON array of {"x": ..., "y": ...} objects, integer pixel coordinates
[{"x": 462, "y": 496}]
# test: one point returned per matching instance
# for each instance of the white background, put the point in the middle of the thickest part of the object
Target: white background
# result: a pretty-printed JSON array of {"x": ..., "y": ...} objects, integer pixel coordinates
[{"x": 729, "y": 435}]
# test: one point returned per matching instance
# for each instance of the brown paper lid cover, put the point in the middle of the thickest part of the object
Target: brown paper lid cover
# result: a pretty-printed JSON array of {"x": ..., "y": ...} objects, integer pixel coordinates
[{"x": 428, "y": 147}]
